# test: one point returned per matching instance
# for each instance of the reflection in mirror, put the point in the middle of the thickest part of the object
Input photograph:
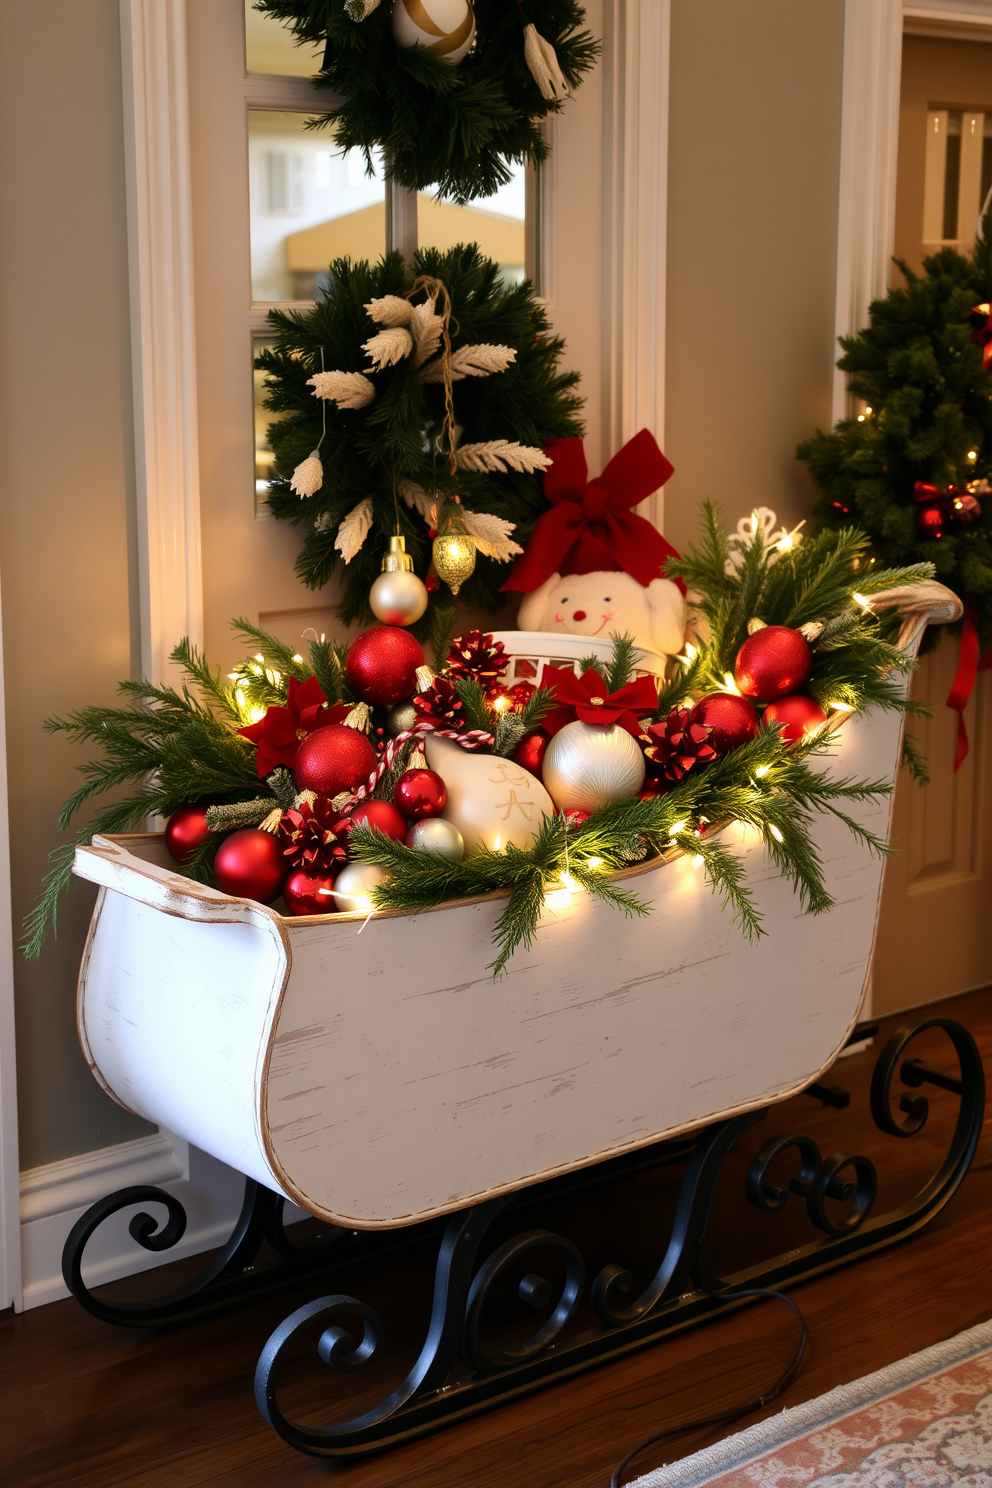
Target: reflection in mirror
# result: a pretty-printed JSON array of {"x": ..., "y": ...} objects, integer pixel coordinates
[
  {"x": 270, "y": 48},
  {"x": 309, "y": 203}
]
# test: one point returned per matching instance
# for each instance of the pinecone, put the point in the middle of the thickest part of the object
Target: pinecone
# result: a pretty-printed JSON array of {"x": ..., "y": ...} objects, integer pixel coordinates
[
  {"x": 674, "y": 747},
  {"x": 478, "y": 656},
  {"x": 307, "y": 838},
  {"x": 441, "y": 703}
]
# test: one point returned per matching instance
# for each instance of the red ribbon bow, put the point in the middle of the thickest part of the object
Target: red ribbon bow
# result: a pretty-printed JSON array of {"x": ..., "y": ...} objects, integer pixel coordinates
[
  {"x": 980, "y": 318},
  {"x": 585, "y": 698},
  {"x": 970, "y": 663},
  {"x": 590, "y": 527}
]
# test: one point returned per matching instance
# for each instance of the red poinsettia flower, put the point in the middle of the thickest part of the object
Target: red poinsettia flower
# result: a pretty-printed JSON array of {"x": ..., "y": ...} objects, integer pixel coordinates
[
  {"x": 277, "y": 736},
  {"x": 586, "y": 698}
]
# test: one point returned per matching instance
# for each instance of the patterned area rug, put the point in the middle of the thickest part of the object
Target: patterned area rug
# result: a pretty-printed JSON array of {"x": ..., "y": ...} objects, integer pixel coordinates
[{"x": 925, "y": 1422}]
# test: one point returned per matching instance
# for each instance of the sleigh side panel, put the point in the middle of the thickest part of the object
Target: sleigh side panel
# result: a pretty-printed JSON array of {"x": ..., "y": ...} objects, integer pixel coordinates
[{"x": 404, "y": 1082}]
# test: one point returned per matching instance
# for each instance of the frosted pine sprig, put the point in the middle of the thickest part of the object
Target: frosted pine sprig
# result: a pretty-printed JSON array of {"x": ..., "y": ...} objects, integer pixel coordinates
[
  {"x": 388, "y": 347},
  {"x": 308, "y": 477},
  {"x": 502, "y": 454},
  {"x": 426, "y": 327},
  {"x": 390, "y": 310},
  {"x": 471, "y": 361},
  {"x": 491, "y": 535},
  {"x": 354, "y": 529},
  {"x": 346, "y": 389},
  {"x": 419, "y": 500}
]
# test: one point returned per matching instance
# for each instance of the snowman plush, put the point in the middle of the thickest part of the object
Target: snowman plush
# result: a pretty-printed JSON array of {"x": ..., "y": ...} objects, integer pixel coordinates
[{"x": 592, "y": 566}]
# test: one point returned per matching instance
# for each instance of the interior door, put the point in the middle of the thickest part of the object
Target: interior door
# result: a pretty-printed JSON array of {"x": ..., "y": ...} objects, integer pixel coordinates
[{"x": 934, "y": 937}]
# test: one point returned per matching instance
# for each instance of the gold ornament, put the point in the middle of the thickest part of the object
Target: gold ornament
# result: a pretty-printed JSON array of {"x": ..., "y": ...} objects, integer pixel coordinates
[
  {"x": 398, "y": 596},
  {"x": 454, "y": 550},
  {"x": 588, "y": 766}
]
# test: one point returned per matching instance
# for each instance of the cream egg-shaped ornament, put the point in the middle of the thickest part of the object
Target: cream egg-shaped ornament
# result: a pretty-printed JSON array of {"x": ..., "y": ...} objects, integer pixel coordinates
[
  {"x": 588, "y": 766},
  {"x": 491, "y": 800},
  {"x": 446, "y": 27}
]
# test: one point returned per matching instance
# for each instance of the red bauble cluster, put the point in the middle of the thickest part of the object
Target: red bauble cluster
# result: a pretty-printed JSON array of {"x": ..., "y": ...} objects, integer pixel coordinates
[
  {"x": 185, "y": 830},
  {"x": 335, "y": 758},
  {"x": 732, "y": 720},
  {"x": 308, "y": 893},
  {"x": 773, "y": 662},
  {"x": 420, "y": 794},
  {"x": 250, "y": 865},
  {"x": 382, "y": 663},
  {"x": 797, "y": 716}
]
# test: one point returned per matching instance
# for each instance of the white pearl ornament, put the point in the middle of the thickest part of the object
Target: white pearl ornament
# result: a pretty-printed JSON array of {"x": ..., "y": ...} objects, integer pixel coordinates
[
  {"x": 588, "y": 766},
  {"x": 354, "y": 884},
  {"x": 445, "y": 27},
  {"x": 398, "y": 598}
]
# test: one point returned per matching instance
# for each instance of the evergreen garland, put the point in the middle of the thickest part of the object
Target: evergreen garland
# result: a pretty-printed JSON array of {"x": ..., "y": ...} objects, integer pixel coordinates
[
  {"x": 374, "y": 451},
  {"x": 922, "y": 378},
  {"x": 453, "y": 128}
]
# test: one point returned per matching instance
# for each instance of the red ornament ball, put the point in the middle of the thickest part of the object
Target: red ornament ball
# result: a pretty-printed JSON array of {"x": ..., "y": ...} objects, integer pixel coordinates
[
  {"x": 733, "y": 720},
  {"x": 335, "y": 758},
  {"x": 773, "y": 662},
  {"x": 382, "y": 665},
  {"x": 967, "y": 510},
  {"x": 381, "y": 816},
  {"x": 250, "y": 864},
  {"x": 420, "y": 794},
  {"x": 930, "y": 521},
  {"x": 309, "y": 893},
  {"x": 577, "y": 817},
  {"x": 797, "y": 715},
  {"x": 529, "y": 753},
  {"x": 185, "y": 830}
]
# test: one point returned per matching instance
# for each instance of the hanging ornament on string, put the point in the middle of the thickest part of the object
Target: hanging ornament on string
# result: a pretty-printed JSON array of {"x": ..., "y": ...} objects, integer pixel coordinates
[
  {"x": 454, "y": 548},
  {"x": 308, "y": 477},
  {"x": 444, "y": 27},
  {"x": 398, "y": 596}
]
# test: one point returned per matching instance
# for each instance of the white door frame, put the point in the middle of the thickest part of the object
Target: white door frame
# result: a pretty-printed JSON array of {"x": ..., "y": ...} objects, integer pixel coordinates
[{"x": 10, "y": 1224}]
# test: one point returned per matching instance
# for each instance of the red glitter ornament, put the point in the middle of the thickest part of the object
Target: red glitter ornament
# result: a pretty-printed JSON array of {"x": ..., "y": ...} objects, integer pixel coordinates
[
  {"x": 797, "y": 715},
  {"x": 250, "y": 864},
  {"x": 529, "y": 753},
  {"x": 520, "y": 695},
  {"x": 335, "y": 758},
  {"x": 382, "y": 663},
  {"x": 776, "y": 660},
  {"x": 308, "y": 893},
  {"x": 185, "y": 830},
  {"x": 733, "y": 720},
  {"x": 931, "y": 521},
  {"x": 382, "y": 816},
  {"x": 420, "y": 794}
]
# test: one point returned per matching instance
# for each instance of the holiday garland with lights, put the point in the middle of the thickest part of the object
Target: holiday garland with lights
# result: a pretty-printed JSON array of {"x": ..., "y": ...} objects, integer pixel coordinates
[
  {"x": 445, "y": 120},
  {"x": 409, "y": 405},
  {"x": 303, "y": 775}
]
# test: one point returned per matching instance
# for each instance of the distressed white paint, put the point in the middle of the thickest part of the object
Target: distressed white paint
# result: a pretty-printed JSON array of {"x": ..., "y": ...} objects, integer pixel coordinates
[{"x": 375, "y": 1074}]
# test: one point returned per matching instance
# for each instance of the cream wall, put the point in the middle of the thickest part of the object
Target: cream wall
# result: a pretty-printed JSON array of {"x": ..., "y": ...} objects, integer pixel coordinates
[
  {"x": 66, "y": 513},
  {"x": 755, "y": 123},
  {"x": 752, "y": 237}
]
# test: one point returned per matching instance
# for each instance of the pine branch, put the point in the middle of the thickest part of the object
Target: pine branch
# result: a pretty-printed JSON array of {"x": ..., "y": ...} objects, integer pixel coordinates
[{"x": 620, "y": 667}]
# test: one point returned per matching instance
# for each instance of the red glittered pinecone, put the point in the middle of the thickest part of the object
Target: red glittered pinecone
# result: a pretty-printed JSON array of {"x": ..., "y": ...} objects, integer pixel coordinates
[
  {"x": 478, "y": 656},
  {"x": 307, "y": 838},
  {"x": 674, "y": 747},
  {"x": 441, "y": 703}
]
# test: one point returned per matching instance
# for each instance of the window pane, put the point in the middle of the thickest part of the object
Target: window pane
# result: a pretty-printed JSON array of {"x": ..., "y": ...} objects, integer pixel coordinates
[
  {"x": 497, "y": 223},
  {"x": 310, "y": 203},
  {"x": 270, "y": 47},
  {"x": 264, "y": 453}
]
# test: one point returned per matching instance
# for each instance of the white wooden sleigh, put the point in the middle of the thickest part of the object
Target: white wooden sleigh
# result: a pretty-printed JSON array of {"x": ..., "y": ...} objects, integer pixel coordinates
[{"x": 376, "y": 1075}]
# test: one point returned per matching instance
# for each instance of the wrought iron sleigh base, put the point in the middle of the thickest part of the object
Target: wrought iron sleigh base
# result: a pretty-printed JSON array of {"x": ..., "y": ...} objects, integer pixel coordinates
[{"x": 584, "y": 1321}]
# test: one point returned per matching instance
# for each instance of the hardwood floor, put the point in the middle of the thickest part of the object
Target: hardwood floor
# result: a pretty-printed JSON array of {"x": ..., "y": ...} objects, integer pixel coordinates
[{"x": 85, "y": 1404}]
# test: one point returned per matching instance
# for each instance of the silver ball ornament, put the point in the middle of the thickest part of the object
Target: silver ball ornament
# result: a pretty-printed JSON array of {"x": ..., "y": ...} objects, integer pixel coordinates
[
  {"x": 398, "y": 598},
  {"x": 589, "y": 766},
  {"x": 354, "y": 884},
  {"x": 401, "y": 718},
  {"x": 437, "y": 835}
]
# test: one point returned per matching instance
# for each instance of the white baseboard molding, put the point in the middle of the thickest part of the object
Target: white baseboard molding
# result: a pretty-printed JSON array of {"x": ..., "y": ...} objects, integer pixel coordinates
[{"x": 53, "y": 1197}]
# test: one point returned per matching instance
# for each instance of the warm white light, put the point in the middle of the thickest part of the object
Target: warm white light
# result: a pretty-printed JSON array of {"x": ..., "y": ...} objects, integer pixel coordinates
[
  {"x": 861, "y": 418},
  {"x": 298, "y": 657},
  {"x": 698, "y": 861},
  {"x": 762, "y": 770},
  {"x": 689, "y": 654},
  {"x": 775, "y": 832},
  {"x": 730, "y": 684},
  {"x": 594, "y": 862},
  {"x": 785, "y": 543},
  {"x": 256, "y": 715},
  {"x": 501, "y": 703},
  {"x": 868, "y": 410},
  {"x": 843, "y": 707},
  {"x": 232, "y": 676},
  {"x": 259, "y": 656},
  {"x": 569, "y": 883},
  {"x": 972, "y": 454},
  {"x": 360, "y": 902},
  {"x": 860, "y": 599},
  {"x": 679, "y": 826},
  {"x": 497, "y": 841}
]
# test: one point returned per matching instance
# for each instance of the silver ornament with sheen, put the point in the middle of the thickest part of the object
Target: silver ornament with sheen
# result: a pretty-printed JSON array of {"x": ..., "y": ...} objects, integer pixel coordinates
[
  {"x": 354, "y": 884},
  {"x": 588, "y": 766},
  {"x": 437, "y": 835},
  {"x": 398, "y": 598},
  {"x": 401, "y": 718}
]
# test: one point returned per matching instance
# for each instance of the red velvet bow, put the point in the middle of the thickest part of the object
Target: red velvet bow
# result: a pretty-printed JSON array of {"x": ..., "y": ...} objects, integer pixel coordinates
[
  {"x": 980, "y": 319},
  {"x": 590, "y": 526},
  {"x": 585, "y": 698}
]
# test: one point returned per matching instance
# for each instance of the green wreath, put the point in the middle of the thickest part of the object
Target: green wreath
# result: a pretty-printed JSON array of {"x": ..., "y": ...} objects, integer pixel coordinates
[
  {"x": 450, "y": 128},
  {"x": 385, "y": 460},
  {"x": 919, "y": 367}
]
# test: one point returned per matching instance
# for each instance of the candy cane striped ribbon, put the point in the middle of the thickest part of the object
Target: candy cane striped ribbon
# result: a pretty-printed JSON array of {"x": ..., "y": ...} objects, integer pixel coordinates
[{"x": 473, "y": 739}]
